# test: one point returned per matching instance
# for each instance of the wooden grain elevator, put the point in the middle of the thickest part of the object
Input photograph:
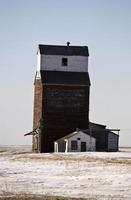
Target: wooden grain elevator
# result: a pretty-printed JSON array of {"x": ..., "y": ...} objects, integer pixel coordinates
[{"x": 61, "y": 94}]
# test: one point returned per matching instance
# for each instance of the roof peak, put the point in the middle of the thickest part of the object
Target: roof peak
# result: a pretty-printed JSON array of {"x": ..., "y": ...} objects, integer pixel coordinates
[
  {"x": 63, "y": 50},
  {"x": 66, "y": 45}
]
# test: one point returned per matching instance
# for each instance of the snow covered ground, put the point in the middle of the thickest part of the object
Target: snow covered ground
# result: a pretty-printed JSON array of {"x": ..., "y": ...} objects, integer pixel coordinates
[{"x": 90, "y": 175}]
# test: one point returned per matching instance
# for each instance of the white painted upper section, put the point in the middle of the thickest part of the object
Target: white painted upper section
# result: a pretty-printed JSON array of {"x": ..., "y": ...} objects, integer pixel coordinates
[{"x": 54, "y": 63}]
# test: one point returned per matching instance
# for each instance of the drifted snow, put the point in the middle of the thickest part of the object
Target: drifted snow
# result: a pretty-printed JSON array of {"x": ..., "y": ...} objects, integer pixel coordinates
[{"x": 90, "y": 174}]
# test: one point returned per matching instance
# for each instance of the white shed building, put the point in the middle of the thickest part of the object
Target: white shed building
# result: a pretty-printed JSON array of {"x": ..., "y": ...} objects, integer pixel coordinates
[{"x": 77, "y": 141}]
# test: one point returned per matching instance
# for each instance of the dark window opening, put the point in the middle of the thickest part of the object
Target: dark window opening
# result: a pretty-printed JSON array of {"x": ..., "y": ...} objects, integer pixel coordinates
[
  {"x": 73, "y": 145},
  {"x": 78, "y": 139},
  {"x": 64, "y": 61}
]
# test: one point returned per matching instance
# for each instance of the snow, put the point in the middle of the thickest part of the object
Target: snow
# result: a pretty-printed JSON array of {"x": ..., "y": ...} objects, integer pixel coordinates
[{"x": 98, "y": 175}]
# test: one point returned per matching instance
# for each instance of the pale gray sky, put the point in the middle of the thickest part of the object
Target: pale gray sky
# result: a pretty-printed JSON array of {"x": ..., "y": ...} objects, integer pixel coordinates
[{"x": 104, "y": 25}]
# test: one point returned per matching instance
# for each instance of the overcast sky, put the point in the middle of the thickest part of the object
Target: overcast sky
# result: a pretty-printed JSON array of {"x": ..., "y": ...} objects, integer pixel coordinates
[{"x": 103, "y": 25}]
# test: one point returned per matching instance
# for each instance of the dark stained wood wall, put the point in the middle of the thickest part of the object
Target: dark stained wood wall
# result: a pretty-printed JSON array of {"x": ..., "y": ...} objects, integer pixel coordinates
[{"x": 65, "y": 108}]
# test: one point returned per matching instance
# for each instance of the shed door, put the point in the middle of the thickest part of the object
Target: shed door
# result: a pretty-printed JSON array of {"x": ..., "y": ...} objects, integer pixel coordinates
[{"x": 83, "y": 146}]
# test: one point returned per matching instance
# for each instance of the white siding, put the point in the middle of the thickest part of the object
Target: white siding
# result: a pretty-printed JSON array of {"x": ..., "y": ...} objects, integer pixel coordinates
[
  {"x": 55, "y": 146},
  {"x": 53, "y": 63},
  {"x": 90, "y": 142},
  {"x": 38, "y": 65}
]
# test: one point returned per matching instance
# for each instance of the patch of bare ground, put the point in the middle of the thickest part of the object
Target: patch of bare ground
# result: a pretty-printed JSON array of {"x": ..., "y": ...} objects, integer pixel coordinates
[
  {"x": 2, "y": 151},
  {"x": 12, "y": 149},
  {"x": 45, "y": 197},
  {"x": 125, "y": 149},
  {"x": 39, "y": 197},
  {"x": 71, "y": 157}
]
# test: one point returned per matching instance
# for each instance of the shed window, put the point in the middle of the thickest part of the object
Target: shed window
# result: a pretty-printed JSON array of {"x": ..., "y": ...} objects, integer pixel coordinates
[
  {"x": 64, "y": 61},
  {"x": 73, "y": 145}
]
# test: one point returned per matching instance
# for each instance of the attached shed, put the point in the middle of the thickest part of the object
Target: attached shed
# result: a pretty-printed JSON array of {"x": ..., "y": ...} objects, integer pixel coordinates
[
  {"x": 77, "y": 141},
  {"x": 106, "y": 139}
]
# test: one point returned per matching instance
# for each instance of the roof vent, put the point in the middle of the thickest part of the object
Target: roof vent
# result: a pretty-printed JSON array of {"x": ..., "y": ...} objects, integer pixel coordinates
[{"x": 68, "y": 44}]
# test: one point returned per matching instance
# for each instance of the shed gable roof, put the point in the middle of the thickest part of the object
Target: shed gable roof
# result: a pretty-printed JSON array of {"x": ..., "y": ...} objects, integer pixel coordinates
[
  {"x": 97, "y": 129},
  {"x": 72, "y": 134},
  {"x": 94, "y": 125},
  {"x": 63, "y": 50}
]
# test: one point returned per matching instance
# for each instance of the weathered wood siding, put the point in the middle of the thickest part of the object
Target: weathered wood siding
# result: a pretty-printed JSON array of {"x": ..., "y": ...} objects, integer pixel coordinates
[
  {"x": 64, "y": 93},
  {"x": 37, "y": 111},
  {"x": 101, "y": 140},
  {"x": 112, "y": 142},
  {"x": 65, "y": 108}
]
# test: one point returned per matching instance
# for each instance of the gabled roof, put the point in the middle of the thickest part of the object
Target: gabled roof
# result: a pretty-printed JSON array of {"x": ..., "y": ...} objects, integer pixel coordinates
[
  {"x": 98, "y": 129},
  {"x": 93, "y": 125},
  {"x": 63, "y": 50},
  {"x": 68, "y": 136},
  {"x": 72, "y": 134}
]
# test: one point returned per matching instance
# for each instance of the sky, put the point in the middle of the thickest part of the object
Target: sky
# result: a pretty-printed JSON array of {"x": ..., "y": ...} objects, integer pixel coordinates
[{"x": 103, "y": 25}]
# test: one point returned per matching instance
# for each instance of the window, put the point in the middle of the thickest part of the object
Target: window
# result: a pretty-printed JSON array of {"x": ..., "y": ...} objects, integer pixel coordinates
[
  {"x": 64, "y": 61},
  {"x": 73, "y": 145}
]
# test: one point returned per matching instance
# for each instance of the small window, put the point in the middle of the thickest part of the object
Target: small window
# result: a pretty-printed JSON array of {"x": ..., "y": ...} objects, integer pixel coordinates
[
  {"x": 73, "y": 145},
  {"x": 64, "y": 61},
  {"x": 78, "y": 139}
]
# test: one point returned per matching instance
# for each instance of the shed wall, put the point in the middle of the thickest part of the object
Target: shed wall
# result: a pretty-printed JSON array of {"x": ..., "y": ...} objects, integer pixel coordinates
[
  {"x": 112, "y": 142},
  {"x": 101, "y": 140},
  {"x": 90, "y": 142}
]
